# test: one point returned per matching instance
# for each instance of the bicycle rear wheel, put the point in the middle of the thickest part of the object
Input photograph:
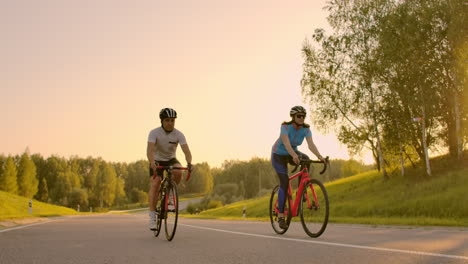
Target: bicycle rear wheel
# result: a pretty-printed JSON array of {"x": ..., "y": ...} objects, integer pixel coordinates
[
  {"x": 274, "y": 212},
  {"x": 314, "y": 213},
  {"x": 172, "y": 210}
]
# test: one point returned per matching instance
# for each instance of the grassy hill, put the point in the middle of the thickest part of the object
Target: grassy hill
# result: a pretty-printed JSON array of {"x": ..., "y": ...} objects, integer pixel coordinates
[
  {"x": 366, "y": 198},
  {"x": 14, "y": 206}
]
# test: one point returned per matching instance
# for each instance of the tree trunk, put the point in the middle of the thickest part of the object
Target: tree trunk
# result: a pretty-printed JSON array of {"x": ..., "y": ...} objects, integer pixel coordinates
[
  {"x": 379, "y": 145},
  {"x": 402, "y": 159},
  {"x": 426, "y": 155},
  {"x": 458, "y": 130}
]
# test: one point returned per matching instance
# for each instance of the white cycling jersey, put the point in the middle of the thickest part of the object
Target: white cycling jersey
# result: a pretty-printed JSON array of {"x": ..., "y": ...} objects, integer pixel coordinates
[{"x": 165, "y": 144}]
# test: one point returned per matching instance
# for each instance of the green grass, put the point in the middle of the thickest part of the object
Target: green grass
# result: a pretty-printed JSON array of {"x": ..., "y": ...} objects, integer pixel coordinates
[
  {"x": 14, "y": 207},
  {"x": 189, "y": 196},
  {"x": 366, "y": 198}
]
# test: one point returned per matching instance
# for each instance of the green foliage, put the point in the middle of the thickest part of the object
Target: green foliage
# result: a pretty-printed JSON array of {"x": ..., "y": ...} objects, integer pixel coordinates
[
  {"x": 228, "y": 189},
  {"x": 138, "y": 196},
  {"x": 106, "y": 185},
  {"x": 91, "y": 169},
  {"x": 8, "y": 177},
  {"x": 27, "y": 181},
  {"x": 78, "y": 197},
  {"x": 120, "y": 196},
  {"x": 340, "y": 169},
  {"x": 201, "y": 179},
  {"x": 385, "y": 63},
  {"x": 214, "y": 204},
  {"x": 205, "y": 204},
  {"x": 366, "y": 198},
  {"x": 53, "y": 171},
  {"x": 191, "y": 208},
  {"x": 102, "y": 184},
  {"x": 62, "y": 187},
  {"x": 43, "y": 191},
  {"x": 250, "y": 176}
]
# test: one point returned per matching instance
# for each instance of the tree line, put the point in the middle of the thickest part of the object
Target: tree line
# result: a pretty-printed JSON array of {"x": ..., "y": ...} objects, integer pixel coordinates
[
  {"x": 391, "y": 77},
  {"x": 239, "y": 180},
  {"x": 87, "y": 182},
  {"x": 95, "y": 183}
]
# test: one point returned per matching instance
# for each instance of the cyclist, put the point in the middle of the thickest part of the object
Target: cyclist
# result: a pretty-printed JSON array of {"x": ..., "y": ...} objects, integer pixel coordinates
[
  {"x": 161, "y": 150},
  {"x": 285, "y": 151}
]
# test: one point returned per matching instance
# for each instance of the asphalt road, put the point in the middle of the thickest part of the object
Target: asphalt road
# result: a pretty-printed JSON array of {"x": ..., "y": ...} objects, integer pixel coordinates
[{"x": 124, "y": 238}]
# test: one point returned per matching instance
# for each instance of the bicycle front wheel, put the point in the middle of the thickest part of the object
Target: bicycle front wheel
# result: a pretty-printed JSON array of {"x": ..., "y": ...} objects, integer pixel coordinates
[
  {"x": 172, "y": 210},
  {"x": 159, "y": 221},
  {"x": 314, "y": 208},
  {"x": 274, "y": 212}
]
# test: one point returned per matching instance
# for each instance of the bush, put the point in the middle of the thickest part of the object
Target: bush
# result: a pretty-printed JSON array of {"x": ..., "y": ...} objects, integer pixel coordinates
[
  {"x": 78, "y": 197},
  {"x": 138, "y": 196},
  {"x": 190, "y": 208},
  {"x": 214, "y": 204}
]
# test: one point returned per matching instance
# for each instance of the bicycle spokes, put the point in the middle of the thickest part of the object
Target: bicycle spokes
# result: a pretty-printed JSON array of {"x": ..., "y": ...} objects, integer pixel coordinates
[
  {"x": 314, "y": 209},
  {"x": 171, "y": 202}
]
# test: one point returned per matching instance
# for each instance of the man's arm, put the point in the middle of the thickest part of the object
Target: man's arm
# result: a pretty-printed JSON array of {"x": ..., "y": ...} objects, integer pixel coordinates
[
  {"x": 187, "y": 153},
  {"x": 150, "y": 154}
]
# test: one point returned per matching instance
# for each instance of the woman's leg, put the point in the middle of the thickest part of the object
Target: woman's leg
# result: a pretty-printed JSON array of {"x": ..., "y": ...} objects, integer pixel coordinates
[{"x": 280, "y": 165}]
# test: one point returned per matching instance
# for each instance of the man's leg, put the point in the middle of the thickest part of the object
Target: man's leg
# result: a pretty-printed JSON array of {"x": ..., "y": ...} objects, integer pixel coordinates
[
  {"x": 177, "y": 174},
  {"x": 155, "y": 183}
]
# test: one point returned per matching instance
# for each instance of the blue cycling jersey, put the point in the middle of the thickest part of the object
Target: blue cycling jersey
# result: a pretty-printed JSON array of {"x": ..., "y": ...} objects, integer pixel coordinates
[{"x": 296, "y": 136}]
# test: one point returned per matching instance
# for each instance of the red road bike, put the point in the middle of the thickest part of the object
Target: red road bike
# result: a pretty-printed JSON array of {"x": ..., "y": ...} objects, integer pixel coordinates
[
  {"x": 311, "y": 202},
  {"x": 167, "y": 204}
]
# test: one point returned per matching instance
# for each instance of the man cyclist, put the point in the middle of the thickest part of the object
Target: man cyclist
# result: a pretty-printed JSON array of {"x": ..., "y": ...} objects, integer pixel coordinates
[
  {"x": 285, "y": 151},
  {"x": 161, "y": 150}
]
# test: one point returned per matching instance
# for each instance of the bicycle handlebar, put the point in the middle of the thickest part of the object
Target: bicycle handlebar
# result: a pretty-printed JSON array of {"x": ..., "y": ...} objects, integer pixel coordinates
[
  {"x": 174, "y": 168},
  {"x": 304, "y": 163}
]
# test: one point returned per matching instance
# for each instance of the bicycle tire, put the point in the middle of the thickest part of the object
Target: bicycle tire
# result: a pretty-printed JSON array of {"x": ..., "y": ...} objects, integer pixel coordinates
[
  {"x": 314, "y": 218},
  {"x": 274, "y": 212},
  {"x": 160, "y": 213},
  {"x": 158, "y": 223},
  {"x": 172, "y": 210}
]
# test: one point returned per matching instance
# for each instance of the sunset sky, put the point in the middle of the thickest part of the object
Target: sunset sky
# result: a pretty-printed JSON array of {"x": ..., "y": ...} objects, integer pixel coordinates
[{"x": 88, "y": 78}]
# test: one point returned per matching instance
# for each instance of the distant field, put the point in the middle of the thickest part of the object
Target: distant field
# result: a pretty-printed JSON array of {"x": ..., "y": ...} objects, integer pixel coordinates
[
  {"x": 14, "y": 206},
  {"x": 368, "y": 199}
]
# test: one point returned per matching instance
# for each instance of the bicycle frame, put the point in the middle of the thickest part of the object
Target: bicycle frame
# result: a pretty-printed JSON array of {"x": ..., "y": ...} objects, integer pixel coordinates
[
  {"x": 304, "y": 174},
  {"x": 168, "y": 178}
]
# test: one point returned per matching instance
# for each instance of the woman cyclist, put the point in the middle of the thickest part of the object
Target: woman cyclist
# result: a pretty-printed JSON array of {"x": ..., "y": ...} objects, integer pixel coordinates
[{"x": 285, "y": 151}]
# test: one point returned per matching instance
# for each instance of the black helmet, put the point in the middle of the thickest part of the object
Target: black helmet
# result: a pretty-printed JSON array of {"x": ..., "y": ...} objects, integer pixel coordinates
[
  {"x": 167, "y": 113},
  {"x": 297, "y": 109}
]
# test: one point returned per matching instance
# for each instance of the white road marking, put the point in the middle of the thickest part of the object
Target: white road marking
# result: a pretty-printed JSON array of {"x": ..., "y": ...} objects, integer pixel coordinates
[
  {"x": 334, "y": 244},
  {"x": 22, "y": 226}
]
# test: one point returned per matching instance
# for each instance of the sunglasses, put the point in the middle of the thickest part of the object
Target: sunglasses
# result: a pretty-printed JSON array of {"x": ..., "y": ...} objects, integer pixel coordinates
[{"x": 300, "y": 116}]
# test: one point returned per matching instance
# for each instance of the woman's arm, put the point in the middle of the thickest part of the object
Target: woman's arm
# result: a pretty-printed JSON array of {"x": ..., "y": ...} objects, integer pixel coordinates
[
  {"x": 313, "y": 148},
  {"x": 290, "y": 150}
]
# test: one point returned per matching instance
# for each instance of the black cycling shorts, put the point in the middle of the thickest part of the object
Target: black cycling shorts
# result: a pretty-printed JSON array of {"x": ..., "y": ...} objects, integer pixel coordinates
[{"x": 159, "y": 172}]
